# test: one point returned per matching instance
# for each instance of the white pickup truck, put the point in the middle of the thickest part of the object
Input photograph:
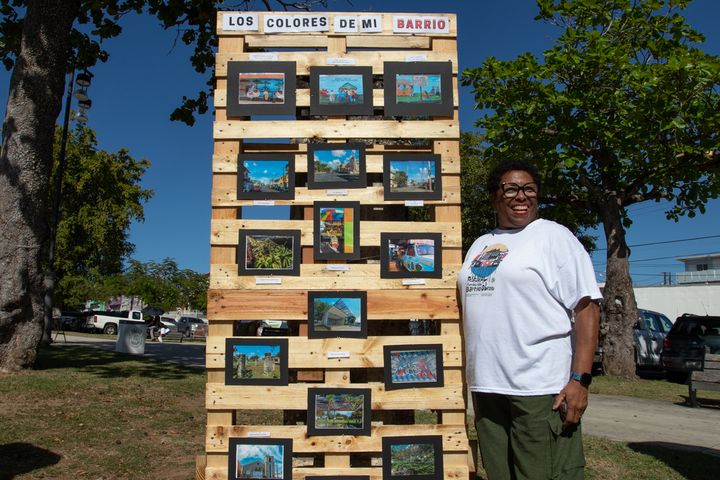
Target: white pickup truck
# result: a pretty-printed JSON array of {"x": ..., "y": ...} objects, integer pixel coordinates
[{"x": 109, "y": 322}]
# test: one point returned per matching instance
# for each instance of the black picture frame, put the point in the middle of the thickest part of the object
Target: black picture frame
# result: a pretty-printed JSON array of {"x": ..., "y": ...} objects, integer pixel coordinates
[
  {"x": 335, "y": 236},
  {"x": 248, "y": 448},
  {"x": 253, "y": 243},
  {"x": 324, "y": 102},
  {"x": 413, "y": 366},
  {"x": 340, "y": 310},
  {"x": 275, "y": 348},
  {"x": 241, "y": 99},
  {"x": 394, "y": 189},
  {"x": 318, "y": 152},
  {"x": 252, "y": 186},
  {"x": 395, "y": 448},
  {"x": 317, "y": 427},
  {"x": 337, "y": 477},
  {"x": 411, "y": 255},
  {"x": 439, "y": 104}
]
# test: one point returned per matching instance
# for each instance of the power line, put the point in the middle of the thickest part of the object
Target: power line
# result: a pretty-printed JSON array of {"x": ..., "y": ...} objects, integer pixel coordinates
[{"x": 667, "y": 241}]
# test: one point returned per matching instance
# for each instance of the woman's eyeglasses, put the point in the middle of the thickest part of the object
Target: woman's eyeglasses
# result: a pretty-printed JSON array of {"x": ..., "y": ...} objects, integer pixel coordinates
[{"x": 511, "y": 190}]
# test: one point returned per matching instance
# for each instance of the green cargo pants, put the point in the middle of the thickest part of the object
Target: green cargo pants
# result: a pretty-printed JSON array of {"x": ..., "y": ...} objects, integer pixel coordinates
[{"x": 521, "y": 438}]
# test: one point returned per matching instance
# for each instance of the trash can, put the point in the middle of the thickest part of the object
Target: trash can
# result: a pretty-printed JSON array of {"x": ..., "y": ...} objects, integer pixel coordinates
[{"x": 131, "y": 337}]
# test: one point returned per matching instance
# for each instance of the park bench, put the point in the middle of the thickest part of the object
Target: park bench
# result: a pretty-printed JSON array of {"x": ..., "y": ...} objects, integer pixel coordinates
[{"x": 706, "y": 379}]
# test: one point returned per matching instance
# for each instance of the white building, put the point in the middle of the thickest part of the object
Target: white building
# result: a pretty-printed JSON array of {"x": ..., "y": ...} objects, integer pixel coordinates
[{"x": 700, "y": 269}]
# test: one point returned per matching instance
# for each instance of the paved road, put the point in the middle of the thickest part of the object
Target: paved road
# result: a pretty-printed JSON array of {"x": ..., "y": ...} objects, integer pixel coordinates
[{"x": 617, "y": 418}]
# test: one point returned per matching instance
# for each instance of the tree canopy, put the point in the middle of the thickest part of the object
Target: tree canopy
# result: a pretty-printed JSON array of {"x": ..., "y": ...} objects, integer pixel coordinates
[{"x": 624, "y": 108}]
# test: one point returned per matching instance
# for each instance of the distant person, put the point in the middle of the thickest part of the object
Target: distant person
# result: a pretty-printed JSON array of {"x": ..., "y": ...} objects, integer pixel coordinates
[{"x": 530, "y": 315}]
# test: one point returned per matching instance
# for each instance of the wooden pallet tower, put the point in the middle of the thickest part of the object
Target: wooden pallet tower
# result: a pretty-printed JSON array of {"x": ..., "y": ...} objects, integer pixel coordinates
[{"x": 391, "y": 303}]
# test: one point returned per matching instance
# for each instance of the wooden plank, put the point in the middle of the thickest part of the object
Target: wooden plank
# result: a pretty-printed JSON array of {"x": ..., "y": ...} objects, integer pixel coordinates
[
  {"x": 387, "y": 26},
  {"x": 364, "y": 352},
  {"x": 300, "y": 473},
  {"x": 294, "y": 396},
  {"x": 389, "y": 41},
  {"x": 373, "y": 163},
  {"x": 442, "y": 127},
  {"x": 286, "y": 41},
  {"x": 225, "y": 232},
  {"x": 317, "y": 277},
  {"x": 454, "y": 437},
  {"x": 437, "y": 304}
]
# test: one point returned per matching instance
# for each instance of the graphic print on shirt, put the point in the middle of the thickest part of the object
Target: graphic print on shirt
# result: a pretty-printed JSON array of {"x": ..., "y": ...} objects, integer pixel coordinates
[{"x": 482, "y": 267}]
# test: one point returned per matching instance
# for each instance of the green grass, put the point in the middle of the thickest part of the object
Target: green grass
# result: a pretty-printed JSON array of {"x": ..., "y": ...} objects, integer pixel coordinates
[{"x": 650, "y": 389}]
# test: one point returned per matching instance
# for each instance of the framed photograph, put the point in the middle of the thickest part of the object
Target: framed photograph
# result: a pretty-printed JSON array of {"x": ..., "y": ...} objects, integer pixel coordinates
[
  {"x": 412, "y": 176},
  {"x": 336, "y": 165},
  {"x": 412, "y": 458},
  {"x": 256, "y": 361},
  {"x": 413, "y": 366},
  {"x": 337, "y": 314},
  {"x": 337, "y": 477},
  {"x": 336, "y": 230},
  {"x": 418, "y": 89},
  {"x": 341, "y": 91},
  {"x": 269, "y": 252},
  {"x": 260, "y": 88},
  {"x": 410, "y": 255},
  {"x": 266, "y": 176},
  {"x": 339, "y": 411},
  {"x": 260, "y": 458}
]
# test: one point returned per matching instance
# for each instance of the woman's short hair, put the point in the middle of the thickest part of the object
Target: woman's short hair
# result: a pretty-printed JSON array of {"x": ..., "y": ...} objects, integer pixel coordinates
[{"x": 509, "y": 165}]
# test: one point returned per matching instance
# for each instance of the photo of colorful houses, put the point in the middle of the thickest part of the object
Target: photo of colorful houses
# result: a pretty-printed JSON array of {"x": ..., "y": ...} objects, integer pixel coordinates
[
  {"x": 339, "y": 411},
  {"x": 259, "y": 461},
  {"x": 419, "y": 88},
  {"x": 337, "y": 230},
  {"x": 264, "y": 176},
  {"x": 261, "y": 88},
  {"x": 341, "y": 89},
  {"x": 337, "y": 314},
  {"x": 255, "y": 362},
  {"x": 412, "y": 176},
  {"x": 336, "y": 166}
]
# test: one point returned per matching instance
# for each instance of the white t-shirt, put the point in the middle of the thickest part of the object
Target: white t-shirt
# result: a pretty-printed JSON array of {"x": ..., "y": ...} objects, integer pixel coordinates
[{"x": 518, "y": 289}]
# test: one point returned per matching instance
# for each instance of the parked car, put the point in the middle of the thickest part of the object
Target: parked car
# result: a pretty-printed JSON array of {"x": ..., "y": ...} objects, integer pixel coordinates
[
  {"x": 686, "y": 344},
  {"x": 261, "y": 328},
  {"x": 192, "y": 327},
  {"x": 108, "y": 322},
  {"x": 649, "y": 334}
]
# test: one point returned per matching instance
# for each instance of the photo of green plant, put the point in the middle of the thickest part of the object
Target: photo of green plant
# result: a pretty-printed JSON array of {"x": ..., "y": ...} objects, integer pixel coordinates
[
  {"x": 412, "y": 459},
  {"x": 269, "y": 252}
]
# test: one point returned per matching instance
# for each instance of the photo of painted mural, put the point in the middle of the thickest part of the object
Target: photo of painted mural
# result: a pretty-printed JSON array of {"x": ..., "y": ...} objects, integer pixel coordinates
[
  {"x": 418, "y": 88},
  {"x": 261, "y": 88},
  {"x": 341, "y": 89}
]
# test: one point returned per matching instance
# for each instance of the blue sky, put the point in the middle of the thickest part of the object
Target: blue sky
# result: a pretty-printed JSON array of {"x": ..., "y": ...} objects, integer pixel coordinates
[
  {"x": 416, "y": 170},
  {"x": 134, "y": 93},
  {"x": 266, "y": 171}
]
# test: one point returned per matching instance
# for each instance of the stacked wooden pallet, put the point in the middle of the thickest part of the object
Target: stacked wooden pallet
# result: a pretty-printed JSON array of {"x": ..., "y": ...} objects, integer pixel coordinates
[{"x": 391, "y": 303}]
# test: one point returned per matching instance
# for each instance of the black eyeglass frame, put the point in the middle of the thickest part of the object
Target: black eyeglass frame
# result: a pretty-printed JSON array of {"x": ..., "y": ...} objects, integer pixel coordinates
[{"x": 524, "y": 188}]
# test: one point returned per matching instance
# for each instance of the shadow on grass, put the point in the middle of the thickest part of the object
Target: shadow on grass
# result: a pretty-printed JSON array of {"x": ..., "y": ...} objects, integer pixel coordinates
[
  {"x": 691, "y": 462},
  {"x": 107, "y": 364},
  {"x": 17, "y": 458}
]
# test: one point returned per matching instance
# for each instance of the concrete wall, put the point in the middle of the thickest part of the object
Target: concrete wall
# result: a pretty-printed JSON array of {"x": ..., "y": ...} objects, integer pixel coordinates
[{"x": 675, "y": 300}]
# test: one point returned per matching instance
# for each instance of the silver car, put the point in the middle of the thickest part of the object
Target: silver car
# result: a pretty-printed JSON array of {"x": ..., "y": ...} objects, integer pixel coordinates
[{"x": 649, "y": 334}]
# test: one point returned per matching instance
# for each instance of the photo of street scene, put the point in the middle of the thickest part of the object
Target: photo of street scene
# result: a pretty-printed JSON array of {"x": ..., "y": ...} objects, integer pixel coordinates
[
  {"x": 411, "y": 255},
  {"x": 344, "y": 89},
  {"x": 337, "y": 314},
  {"x": 264, "y": 176},
  {"x": 412, "y": 459},
  {"x": 261, "y": 88},
  {"x": 255, "y": 362},
  {"x": 337, "y": 229},
  {"x": 343, "y": 411},
  {"x": 259, "y": 461},
  {"x": 336, "y": 166},
  {"x": 269, "y": 252},
  {"x": 419, "y": 88},
  {"x": 412, "y": 176},
  {"x": 413, "y": 366}
]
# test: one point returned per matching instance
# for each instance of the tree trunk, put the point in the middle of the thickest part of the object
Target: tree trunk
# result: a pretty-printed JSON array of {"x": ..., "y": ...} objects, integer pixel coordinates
[
  {"x": 36, "y": 88},
  {"x": 620, "y": 309}
]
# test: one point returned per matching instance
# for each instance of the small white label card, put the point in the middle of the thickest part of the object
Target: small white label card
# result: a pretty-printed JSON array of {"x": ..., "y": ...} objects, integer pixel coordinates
[
  {"x": 296, "y": 23},
  {"x": 258, "y": 434},
  {"x": 416, "y": 58},
  {"x": 345, "y": 24},
  {"x": 264, "y": 57},
  {"x": 337, "y": 267},
  {"x": 341, "y": 61},
  {"x": 370, "y": 23},
  {"x": 413, "y": 281},
  {"x": 242, "y": 22},
  {"x": 268, "y": 281},
  {"x": 414, "y": 203},
  {"x": 337, "y": 193},
  {"x": 264, "y": 203},
  {"x": 339, "y": 354}
]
